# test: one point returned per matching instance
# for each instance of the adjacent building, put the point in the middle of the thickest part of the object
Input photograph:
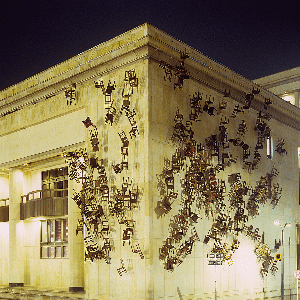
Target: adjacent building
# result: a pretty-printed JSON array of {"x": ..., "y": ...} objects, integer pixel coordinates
[
  {"x": 142, "y": 169},
  {"x": 285, "y": 84}
]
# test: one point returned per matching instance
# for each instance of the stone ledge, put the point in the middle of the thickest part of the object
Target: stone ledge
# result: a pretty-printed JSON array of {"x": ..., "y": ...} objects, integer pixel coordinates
[{"x": 28, "y": 292}]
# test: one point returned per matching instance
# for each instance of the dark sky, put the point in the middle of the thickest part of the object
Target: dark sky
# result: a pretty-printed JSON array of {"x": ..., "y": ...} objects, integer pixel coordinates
[{"x": 253, "y": 38}]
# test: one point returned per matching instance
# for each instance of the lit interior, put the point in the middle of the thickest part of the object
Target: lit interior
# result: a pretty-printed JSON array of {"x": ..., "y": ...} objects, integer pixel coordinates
[{"x": 289, "y": 98}]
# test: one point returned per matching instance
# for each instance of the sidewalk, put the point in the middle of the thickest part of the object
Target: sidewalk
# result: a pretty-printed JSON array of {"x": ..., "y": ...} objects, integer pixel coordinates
[{"x": 33, "y": 293}]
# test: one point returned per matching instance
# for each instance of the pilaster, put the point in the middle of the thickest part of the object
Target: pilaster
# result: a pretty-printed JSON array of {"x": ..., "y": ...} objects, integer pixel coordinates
[
  {"x": 16, "y": 265},
  {"x": 76, "y": 246}
]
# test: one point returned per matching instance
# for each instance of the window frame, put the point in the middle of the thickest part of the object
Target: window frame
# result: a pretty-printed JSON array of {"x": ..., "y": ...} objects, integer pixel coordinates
[
  {"x": 54, "y": 242},
  {"x": 56, "y": 179}
]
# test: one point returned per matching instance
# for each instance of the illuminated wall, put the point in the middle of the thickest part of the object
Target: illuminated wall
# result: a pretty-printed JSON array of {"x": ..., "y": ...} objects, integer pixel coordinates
[
  {"x": 4, "y": 186},
  {"x": 4, "y": 253},
  {"x": 39, "y": 272},
  {"x": 125, "y": 170},
  {"x": 194, "y": 275},
  {"x": 43, "y": 137}
]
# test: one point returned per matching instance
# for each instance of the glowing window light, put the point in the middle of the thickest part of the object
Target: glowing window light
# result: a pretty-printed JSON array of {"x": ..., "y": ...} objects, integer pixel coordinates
[
  {"x": 269, "y": 147},
  {"x": 289, "y": 98}
]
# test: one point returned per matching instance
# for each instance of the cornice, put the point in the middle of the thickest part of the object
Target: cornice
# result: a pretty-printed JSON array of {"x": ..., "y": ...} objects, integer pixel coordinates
[
  {"x": 141, "y": 43},
  {"x": 281, "y": 78},
  {"x": 89, "y": 56},
  {"x": 41, "y": 159},
  {"x": 81, "y": 75},
  {"x": 219, "y": 78},
  {"x": 279, "y": 82}
]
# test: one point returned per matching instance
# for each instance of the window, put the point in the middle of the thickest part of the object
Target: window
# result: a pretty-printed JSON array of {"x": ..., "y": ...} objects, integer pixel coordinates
[
  {"x": 54, "y": 238},
  {"x": 55, "y": 180},
  {"x": 269, "y": 147}
]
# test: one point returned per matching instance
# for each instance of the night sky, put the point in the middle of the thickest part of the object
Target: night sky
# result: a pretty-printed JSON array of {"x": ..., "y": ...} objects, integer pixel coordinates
[{"x": 253, "y": 38}]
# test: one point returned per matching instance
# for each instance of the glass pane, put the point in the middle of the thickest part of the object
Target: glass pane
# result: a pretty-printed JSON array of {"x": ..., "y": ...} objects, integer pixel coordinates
[
  {"x": 65, "y": 230},
  {"x": 45, "y": 186},
  {"x": 58, "y": 252},
  {"x": 66, "y": 171},
  {"x": 60, "y": 172},
  {"x": 51, "y": 231},
  {"x": 46, "y": 194},
  {"x": 269, "y": 147},
  {"x": 45, "y": 175},
  {"x": 65, "y": 251},
  {"x": 44, "y": 252},
  {"x": 66, "y": 188},
  {"x": 52, "y": 252},
  {"x": 53, "y": 173},
  {"x": 58, "y": 230},
  {"x": 60, "y": 186},
  {"x": 44, "y": 234}
]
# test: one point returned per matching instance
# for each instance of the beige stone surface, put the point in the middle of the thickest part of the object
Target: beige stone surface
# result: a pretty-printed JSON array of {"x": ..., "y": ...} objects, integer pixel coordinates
[{"x": 33, "y": 136}]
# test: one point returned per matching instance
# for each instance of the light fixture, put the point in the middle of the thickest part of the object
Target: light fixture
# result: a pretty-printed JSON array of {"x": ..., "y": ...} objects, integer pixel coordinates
[{"x": 276, "y": 222}]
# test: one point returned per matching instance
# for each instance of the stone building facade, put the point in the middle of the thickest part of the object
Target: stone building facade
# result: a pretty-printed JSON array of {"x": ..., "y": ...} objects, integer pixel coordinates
[
  {"x": 285, "y": 84},
  {"x": 141, "y": 169}
]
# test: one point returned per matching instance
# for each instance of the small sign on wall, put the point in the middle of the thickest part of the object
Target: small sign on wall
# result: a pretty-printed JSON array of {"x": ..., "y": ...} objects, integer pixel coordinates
[{"x": 215, "y": 259}]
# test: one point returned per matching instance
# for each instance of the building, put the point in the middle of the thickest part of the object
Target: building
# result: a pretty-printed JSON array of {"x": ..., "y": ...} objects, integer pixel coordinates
[
  {"x": 284, "y": 84},
  {"x": 141, "y": 169}
]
